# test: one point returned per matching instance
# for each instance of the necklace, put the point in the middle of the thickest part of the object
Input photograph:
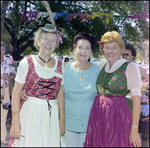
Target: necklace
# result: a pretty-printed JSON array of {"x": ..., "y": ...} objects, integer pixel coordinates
[
  {"x": 44, "y": 61},
  {"x": 81, "y": 77}
]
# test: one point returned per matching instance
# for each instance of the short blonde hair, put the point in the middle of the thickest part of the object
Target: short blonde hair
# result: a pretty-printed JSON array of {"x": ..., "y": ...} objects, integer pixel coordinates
[
  {"x": 109, "y": 37},
  {"x": 39, "y": 35}
]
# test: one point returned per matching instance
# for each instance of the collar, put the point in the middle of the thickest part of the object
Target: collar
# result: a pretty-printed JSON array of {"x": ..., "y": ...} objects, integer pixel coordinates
[{"x": 115, "y": 66}]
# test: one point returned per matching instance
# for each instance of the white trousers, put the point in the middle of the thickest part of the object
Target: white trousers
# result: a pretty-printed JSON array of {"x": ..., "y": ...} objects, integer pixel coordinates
[
  {"x": 4, "y": 114},
  {"x": 73, "y": 139}
]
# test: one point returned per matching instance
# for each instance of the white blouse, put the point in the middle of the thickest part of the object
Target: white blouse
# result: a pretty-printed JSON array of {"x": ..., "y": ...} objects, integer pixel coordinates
[
  {"x": 133, "y": 75},
  {"x": 44, "y": 72}
]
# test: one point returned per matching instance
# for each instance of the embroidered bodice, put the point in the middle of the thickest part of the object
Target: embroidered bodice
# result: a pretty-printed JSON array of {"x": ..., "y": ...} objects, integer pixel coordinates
[
  {"x": 113, "y": 84},
  {"x": 35, "y": 86}
]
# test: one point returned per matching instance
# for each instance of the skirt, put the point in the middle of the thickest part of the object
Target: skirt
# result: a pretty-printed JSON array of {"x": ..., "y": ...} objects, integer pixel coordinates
[
  {"x": 39, "y": 124},
  {"x": 109, "y": 123}
]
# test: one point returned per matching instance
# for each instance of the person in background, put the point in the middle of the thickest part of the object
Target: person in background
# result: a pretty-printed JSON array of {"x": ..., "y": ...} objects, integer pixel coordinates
[
  {"x": 9, "y": 58},
  {"x": 110, "y": 122},
  {"x": 41, "y": 121},
  {"x": 79, "y": 90},
  {"x": 7, "y": 74},
  {"x": 66, "y": 61},
  {"x": 130, "y": 54}
]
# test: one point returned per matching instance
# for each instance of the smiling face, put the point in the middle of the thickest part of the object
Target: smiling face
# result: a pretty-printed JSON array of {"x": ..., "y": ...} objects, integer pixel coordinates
[
  {"x": 48, "y": 43},
  {"x": 127, "y": 55},
  {"x": 112, "y": 52},
  {"x": 83, "y": 50}
]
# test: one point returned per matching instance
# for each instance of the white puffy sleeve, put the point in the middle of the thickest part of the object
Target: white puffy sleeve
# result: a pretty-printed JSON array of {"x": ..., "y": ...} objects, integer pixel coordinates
[
  {"x": 22, "y": 71},
  {"x": 134, "y": 82}
]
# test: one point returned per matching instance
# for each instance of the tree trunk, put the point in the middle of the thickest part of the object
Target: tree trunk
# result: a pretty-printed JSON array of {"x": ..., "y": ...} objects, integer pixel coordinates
[{"x": 4, "y": 5}]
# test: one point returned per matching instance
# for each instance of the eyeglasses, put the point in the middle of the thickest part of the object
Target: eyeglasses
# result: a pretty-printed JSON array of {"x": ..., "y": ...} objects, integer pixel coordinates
[{"x": 125, "y": 54}]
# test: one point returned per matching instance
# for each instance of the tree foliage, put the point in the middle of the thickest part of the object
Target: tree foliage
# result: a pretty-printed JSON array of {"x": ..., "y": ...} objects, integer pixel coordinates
[
  {"x": 22, "y": 33},
  {"x": 4, "y": 5}
]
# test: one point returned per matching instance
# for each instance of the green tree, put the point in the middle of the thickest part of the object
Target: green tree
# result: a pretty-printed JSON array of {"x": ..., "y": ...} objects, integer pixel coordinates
[
  {"x": 22, "y": 32},
  {"x": 4, "y": 5}
]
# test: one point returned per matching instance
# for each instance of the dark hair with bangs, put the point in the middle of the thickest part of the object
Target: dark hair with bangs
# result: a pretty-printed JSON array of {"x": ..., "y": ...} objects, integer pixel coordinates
[
  {"x": 83, "y": 35},
  {"x": 129, "y": 46}
]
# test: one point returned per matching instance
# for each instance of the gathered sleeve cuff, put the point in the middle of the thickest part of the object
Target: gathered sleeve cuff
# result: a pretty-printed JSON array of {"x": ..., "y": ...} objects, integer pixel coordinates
[
  {"x": 22, "y": 71},
  {"x": 134, "y": 82}
]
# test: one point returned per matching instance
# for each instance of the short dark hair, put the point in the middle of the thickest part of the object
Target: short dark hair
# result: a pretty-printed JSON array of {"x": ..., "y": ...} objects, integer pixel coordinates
[
  {"x": 86, "y": 36},
  {"x": 66, "y": 59},
  {"x": 131, "y": 47}
]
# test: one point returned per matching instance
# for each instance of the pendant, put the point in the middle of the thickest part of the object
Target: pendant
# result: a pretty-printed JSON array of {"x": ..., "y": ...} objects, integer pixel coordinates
[
  {"x": 81, "y": 78},
  {"x": 45, "y": 65}
]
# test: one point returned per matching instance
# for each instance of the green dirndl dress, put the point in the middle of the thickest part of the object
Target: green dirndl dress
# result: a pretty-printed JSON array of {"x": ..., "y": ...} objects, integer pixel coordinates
[{"x": 110, "y": 118}]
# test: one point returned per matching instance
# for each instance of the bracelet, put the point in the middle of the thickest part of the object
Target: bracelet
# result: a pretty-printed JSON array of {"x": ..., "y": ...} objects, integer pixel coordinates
[
  {"x": 135, "y": 126},
  {"x": 15, "y": 112}
]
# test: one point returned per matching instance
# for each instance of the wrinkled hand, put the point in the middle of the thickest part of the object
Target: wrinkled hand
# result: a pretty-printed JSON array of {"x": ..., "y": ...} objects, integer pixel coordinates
[
  {"x": 5, "y": 77},
  {"x": 62, "y": 126},
  {"x": 135, "y": 138},
  {"x": 15, "y": 129},
  {"x": 23, "y": 95}
]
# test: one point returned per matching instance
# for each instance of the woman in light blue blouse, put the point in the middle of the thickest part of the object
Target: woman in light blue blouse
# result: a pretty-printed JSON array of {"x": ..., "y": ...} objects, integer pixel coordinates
[{"x": 79, "y": 90}]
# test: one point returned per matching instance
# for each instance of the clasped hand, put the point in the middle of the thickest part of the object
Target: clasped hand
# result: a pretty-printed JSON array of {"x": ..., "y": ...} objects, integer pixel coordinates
[{"x": 5, "y": 77}]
